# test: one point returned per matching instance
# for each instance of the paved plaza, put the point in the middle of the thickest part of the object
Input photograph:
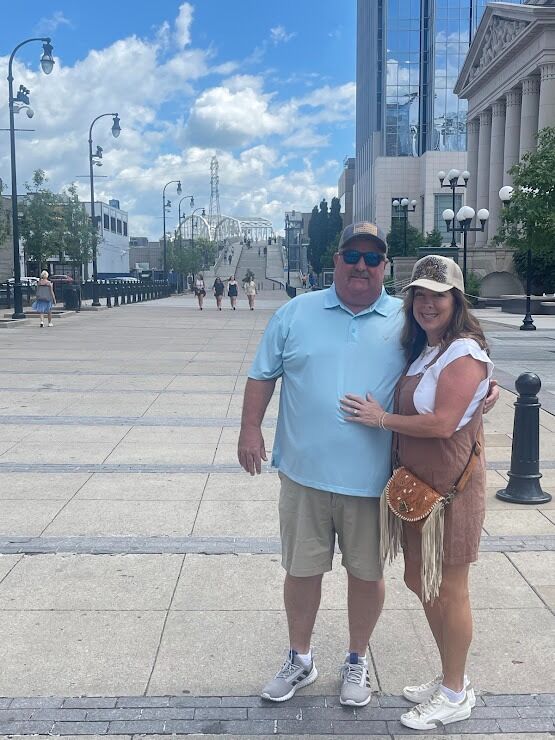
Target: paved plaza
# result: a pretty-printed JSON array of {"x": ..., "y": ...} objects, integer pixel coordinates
[{"x": 140, "y": 577}]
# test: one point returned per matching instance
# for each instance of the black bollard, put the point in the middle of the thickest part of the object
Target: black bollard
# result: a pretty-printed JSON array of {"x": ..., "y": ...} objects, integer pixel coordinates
[
  {"x": 108, "y": 297},
  {"x": 524, "y": 475}
]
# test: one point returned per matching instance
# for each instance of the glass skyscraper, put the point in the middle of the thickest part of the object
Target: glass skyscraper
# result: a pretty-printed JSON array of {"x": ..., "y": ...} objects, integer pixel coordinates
[{"x": 409, "y": 54}]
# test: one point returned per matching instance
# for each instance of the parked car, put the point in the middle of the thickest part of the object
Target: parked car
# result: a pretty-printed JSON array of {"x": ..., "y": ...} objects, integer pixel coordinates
[
  {"x": 61, "y": 279},
  {"x": 32, "y": 281}
]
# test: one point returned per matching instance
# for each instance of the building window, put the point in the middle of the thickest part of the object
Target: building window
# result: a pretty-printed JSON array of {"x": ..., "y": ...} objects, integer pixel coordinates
[
  {"x": 125, "y": 228},
  {"x": 113, "y": 223},
  {"x": 118, "y": 226},
  {"x": 441, "y": 202},
  {"x": 106, "y": 222}
]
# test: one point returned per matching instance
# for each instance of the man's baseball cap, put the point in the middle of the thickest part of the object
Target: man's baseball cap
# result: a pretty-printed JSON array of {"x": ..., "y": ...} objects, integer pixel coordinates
[
  {"x": 363, "y": 230},
  {"x": 436, "y": 273}
]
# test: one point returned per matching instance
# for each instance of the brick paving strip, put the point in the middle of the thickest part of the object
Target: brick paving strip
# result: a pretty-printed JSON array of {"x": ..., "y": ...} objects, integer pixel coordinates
[
  {"x": 249, "y": 715},
  {"x": 141, "y": 545}
]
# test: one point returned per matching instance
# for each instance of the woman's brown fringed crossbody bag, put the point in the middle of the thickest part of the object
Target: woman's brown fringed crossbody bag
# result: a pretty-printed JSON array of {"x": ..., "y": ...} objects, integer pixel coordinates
[{"x": 407, "y": 498}]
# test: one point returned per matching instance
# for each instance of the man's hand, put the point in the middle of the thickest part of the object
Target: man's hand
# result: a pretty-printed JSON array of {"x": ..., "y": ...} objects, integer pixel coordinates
[
  {"x": 251, "y": 450},
  {"x": 492, "y": 397}
]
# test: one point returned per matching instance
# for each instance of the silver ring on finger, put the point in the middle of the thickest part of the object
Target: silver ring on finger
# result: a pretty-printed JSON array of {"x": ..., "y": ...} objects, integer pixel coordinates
[{"x": 355, "y": 412}]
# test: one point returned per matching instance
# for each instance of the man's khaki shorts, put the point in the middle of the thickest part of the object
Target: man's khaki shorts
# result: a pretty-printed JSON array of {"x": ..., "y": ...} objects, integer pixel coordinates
[{"x": 309, "y": 520}]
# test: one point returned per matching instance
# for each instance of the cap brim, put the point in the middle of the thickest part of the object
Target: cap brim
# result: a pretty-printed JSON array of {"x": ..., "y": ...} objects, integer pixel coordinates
[
  {"x": 369, "y": 237},
  {"x": 430, "y": 285}
]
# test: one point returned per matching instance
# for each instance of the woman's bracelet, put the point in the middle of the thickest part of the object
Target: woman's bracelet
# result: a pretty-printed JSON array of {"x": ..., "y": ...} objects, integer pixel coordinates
[{"x": 381, "y": 421}]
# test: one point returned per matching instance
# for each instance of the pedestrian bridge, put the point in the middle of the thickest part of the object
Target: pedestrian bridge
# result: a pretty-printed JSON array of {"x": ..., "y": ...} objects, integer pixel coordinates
[{"x": 227, "y": 228}]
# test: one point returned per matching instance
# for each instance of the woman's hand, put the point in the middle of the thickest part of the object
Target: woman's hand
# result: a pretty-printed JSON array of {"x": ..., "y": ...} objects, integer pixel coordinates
[{"x": 363, "y": 411}]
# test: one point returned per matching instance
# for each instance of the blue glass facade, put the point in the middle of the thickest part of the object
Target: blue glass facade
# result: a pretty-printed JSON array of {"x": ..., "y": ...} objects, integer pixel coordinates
[{"x": 423, "y": 44}]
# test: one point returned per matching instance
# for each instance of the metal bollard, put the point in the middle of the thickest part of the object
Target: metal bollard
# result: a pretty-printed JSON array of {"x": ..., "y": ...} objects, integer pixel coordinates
[
  {"x": 108, "y": 299},
  {"x": 524, "y": 475}
]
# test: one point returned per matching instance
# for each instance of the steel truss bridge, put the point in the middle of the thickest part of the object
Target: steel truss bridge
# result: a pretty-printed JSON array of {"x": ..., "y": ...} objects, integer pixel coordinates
[{"x": 226, "y": 229}]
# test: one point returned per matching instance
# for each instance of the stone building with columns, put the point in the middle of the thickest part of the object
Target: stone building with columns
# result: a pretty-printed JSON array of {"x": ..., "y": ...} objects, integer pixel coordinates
[{"x": 508, "y": 79}]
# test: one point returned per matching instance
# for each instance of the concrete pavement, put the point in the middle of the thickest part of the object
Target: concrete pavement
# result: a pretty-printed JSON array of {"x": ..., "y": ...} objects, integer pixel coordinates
[{"x": 140, "y": 584}]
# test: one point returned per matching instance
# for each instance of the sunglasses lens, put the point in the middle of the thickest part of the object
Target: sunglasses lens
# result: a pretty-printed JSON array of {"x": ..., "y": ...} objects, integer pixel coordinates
[{"x": 371, "y": 259}]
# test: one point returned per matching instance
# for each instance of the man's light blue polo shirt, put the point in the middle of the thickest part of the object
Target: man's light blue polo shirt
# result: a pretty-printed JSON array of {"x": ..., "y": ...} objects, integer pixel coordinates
[{"x": 321, "y": 351}]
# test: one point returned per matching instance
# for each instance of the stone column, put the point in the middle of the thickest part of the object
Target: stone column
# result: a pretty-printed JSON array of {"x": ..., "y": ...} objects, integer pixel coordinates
[
  {"x": 473, "y": 133},
  {"x": 495, "y": 166},
  {"x": 482, "y": 193},
  {"x": 513, "y": 102},
  {"x": 529, "y": 114},
  {"x": 547, "y": 96}
]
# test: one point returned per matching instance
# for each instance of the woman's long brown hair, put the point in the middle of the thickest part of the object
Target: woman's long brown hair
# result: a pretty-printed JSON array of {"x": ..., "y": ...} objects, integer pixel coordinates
[{"x": 463, "y": 324}]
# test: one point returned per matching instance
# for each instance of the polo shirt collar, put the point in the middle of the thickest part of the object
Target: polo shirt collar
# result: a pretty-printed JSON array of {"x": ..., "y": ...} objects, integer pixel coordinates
[{"x": 381, "y": 305}]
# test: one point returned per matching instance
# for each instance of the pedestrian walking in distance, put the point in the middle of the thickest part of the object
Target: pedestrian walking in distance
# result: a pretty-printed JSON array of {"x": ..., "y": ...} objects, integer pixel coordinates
[
  {"x": 250, "y": 290},
  {"x": 44, "y": 299},
  {"x": 218, "y": 289},
  {"x": 200, "y": 290},
  {"x": 232, "y": 291}
]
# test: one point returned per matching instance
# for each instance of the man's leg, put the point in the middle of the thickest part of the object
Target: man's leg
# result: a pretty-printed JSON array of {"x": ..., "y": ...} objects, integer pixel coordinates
[
  {"x": 365, "y": 603},
  {"x": 302, "y": 599}
]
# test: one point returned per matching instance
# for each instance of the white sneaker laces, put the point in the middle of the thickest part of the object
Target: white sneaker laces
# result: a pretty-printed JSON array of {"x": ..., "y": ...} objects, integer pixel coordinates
[
  {"x": 287, "y": 669},
  {"x": 353, "y": 673},
  {"x": 428, "y": 707}
]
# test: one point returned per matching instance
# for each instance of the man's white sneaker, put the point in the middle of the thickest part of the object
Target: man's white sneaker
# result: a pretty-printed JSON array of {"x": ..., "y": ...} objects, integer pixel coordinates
[
  {"x": 438, "y": 710},
  {"x": 50, "y": 324},
  {"x": 355, "y": 688},
  {"x": 293, "y": 675},
  {"x": 422, "y": 693}
]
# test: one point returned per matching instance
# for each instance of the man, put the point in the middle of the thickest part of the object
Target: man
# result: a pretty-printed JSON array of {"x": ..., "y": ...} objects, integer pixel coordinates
[{"x": 345, "y": 339}]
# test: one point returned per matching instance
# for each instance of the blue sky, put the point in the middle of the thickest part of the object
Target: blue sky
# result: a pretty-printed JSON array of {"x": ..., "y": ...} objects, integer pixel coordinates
[{"x": 266, "y": 86}]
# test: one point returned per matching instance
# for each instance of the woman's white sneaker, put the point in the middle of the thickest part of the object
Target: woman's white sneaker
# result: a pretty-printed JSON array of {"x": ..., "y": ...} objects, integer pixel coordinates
[
  {"x": 438, "y": 710},
  {"x": 422, "y": 693}
]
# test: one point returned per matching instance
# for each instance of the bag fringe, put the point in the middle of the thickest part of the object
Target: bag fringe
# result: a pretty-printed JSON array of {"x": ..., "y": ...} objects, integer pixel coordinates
[
  {"x": 391, "y": 532},
  {"x": 432, "y": 553}
]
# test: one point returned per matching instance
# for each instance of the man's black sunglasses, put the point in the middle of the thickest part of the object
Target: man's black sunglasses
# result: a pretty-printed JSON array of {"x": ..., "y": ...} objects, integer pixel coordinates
[{"x": 371, "y": 259}]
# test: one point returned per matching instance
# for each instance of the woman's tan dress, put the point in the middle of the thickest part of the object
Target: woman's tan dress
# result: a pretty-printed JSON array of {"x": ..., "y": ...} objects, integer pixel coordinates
[{"x": 440, "y": 462}]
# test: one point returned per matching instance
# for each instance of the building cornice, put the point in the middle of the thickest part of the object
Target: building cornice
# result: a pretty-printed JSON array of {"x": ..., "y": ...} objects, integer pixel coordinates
[{"x": 503, "y": 30}]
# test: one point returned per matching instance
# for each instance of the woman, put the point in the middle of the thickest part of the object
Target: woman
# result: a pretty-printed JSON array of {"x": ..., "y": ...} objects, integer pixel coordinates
[
  {"x": 250, "y": 290},
  {"x": 45, "y": 298},
  {"x": 218, "y": 289},
  {"x": 232, "y": 291},
  {"x": 200, "y": 290},
  {"x": 436, "y": 424}
]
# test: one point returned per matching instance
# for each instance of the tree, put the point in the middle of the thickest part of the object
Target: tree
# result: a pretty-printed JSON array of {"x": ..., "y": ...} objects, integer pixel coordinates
[
  {"x": 396, "y": 239},
  {"x": 529, "y": 220},
  {"x": 434, "y": 239},
  {"x": 4, "y": 218},
  {"x": 42, "y": 223},
  {"x": 77, "y": 239},
  {"x": 323, "y": 230},
  {"x": 335, "y": 223}
]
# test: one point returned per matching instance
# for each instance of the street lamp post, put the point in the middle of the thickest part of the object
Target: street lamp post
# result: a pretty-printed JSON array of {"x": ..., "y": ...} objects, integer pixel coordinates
[
  {"x": 506, "y": 194},
  {"x": 166, "y": 206},
  {"x": 191, "y": 203},
  {"x": 464, "y": 217},
  {"x": 193, "y": 225},
  {"x": 47, "y": 64},
  {"x": 287, "y": 247},
  {"x": 402, "y": 207},
  {"x": 94, "y": 159},
  {"x": 453, "y": 180}
]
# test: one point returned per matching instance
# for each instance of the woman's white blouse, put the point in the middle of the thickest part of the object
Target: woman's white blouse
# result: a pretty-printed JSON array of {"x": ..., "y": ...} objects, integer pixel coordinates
[{"x": 425, "y": 394}]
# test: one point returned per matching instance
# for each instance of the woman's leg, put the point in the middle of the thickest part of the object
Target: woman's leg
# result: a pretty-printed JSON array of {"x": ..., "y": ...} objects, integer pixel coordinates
[
  {"x": 449, "y": 617},
  {"x": 42, "y": 319}
]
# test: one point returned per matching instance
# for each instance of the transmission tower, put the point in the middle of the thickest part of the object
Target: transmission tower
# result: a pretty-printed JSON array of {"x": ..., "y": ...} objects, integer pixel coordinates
[{"x": 214, "y": 216}]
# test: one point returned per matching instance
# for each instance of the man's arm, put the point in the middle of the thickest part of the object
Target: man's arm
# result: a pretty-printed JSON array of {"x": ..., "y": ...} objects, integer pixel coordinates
[{"x": 251, "y": 450}]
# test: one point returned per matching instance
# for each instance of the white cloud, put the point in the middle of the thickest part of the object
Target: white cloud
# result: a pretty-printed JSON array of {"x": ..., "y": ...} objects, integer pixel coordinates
[
  {"x": 279, "y": 35},
  {"x": 183, "y": 25},
  {"x": 49, "y": 25},
  {"x": 172, "y": 124}
]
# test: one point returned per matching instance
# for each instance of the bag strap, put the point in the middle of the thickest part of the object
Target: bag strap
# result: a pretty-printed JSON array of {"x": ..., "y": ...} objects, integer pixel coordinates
[{"x": 459, "y": 486}]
